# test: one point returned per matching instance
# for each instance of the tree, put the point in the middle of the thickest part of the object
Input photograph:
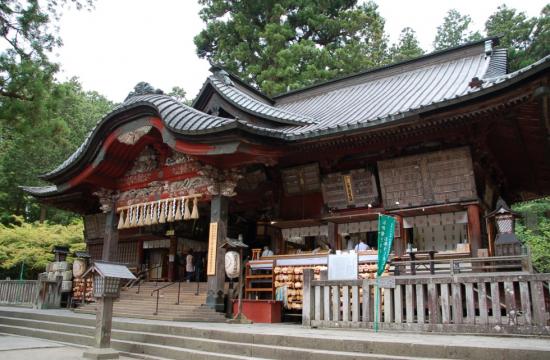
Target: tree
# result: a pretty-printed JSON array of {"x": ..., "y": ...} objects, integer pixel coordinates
[
  {"x": 179, "y": 94},
  {"x": 69, "y": 113},
  {"x": 31, "y": 244},
  {"x": 540, "y": 44},
  {"x": 537, "y": 234},
  {"x": 283, "y": 45},
  {"x": 454, "y": 31},
  {"x": 143, "y": 88},
  {"x": 27, "y": 31},
  {"x": 514, "y": 29},
  {"x": 407, "y": 46}
]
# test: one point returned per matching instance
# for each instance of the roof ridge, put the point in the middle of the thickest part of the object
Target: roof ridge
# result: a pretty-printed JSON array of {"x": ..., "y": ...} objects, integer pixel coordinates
[{"x": 432, "y": 54}]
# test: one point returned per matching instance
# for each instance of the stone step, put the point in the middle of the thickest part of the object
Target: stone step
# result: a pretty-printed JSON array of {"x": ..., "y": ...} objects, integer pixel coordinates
[
  {"x": 175, "y": 340},
  {"x": 179, "y": 347}
]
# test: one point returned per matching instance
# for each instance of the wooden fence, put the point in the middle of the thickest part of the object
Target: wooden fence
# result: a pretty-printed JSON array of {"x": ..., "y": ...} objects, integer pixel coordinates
[
  {"x": 18, "y": 292},
  {"x": 41, "y": 293},
  {"x": 473, "y": 303}
]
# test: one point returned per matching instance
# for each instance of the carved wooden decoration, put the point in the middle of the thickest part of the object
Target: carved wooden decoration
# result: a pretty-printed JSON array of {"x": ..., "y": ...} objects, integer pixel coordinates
[{"x": 427, "y": 179}]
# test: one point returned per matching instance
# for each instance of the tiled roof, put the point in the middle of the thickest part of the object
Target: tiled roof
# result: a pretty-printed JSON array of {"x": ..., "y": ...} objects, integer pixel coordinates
[
  {"x": 359, "y": 101},
  {"x": 177, "y": 117},
  {"x": 256, "y": 107}
]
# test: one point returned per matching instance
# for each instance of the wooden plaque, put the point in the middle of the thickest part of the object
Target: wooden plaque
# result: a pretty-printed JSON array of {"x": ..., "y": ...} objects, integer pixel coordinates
[
  {"x": 357, "y": 188},
  {"x": 301, "y": 179},
  {"x": 427, "y": 179},
  {"x": 212, "y": 249}
]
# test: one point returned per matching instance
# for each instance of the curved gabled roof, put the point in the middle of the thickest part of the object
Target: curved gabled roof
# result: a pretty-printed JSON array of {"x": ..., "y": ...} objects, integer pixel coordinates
[
  {"x": 374, "y": 99},
  {"x": 177, "y": 117},
  {"x": 255, "y": 107}
]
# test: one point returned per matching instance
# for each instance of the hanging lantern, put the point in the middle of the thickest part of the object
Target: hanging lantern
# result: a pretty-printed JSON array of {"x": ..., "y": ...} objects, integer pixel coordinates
[
  {"x": 195, "y": 212},
  {"x": 179, "y": 214}
]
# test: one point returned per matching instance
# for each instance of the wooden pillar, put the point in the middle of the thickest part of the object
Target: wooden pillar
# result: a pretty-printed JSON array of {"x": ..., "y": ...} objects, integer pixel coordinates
[
  {"x": 333, "y": 235},
  {"x": 110, "y": 240},
  {"x": 140, "y": 253},
  {"x": 474, "y": 228},
  {"x": 400, "y": 244},
  {"x": 491, "y": 236},
  {"x": 104, "y": 319},
  {"x": 216, "y": 270},
  {"x": 172, "y": 258}
]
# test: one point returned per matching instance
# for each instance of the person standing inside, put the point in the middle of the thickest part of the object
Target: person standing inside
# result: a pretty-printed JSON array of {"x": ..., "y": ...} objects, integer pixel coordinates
[
  {"x": 362, "y": 246},
  {"x": 189, "y": 266}
]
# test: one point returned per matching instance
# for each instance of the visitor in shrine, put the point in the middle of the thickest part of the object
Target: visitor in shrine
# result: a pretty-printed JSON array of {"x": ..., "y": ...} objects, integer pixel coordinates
[
  {"x": 350, "y": 245},
  {"x": 362, "y": 246},
  {"x": 267, "y": 251},
  {"x": 189, "y": 266}
]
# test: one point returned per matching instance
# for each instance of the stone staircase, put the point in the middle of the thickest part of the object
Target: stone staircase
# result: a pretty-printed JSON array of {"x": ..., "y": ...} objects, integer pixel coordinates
[
  {"x": 142, "y": 305},
  {"x": 149, "y": 339}
]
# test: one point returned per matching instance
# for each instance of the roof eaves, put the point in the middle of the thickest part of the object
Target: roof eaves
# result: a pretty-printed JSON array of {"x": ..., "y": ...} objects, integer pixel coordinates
[
  {"x": 385, "y": 67},
  {"x": 488, "y": 87}
]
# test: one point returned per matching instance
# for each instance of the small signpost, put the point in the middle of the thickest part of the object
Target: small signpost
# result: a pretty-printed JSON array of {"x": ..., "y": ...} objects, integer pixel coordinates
[
  {"x": 107, "y": 276},
  {"x": 342, "y": 266}
]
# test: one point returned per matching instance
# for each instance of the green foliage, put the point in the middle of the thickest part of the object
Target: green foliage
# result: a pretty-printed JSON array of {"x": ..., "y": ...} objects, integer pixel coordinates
[
  {"x": 515, "y": 30},
  {"x": 454, "y": 31},
  {"x": 283, "y": 45},
  {"x": 69, "y": 113},
  {"x": 534, "y": 230},
  {"x": 28, "y": 35},
  {"x": 407, "y": 46},
  {"x": 31, "y": 243}
]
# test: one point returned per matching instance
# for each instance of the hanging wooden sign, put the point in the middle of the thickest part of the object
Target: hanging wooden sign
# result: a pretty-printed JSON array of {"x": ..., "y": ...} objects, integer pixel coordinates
[
  {"x": 212, "y": 249},
  {"x": 356, "y": 188},
  {"x": 301, "y": 179}
]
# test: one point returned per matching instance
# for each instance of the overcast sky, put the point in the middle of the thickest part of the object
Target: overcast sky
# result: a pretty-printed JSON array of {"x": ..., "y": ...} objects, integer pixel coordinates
[{"x": 122, "y": 42}]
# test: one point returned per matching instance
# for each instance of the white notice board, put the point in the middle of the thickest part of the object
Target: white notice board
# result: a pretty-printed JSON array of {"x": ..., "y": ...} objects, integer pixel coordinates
[{"x": 342, "y": 266}]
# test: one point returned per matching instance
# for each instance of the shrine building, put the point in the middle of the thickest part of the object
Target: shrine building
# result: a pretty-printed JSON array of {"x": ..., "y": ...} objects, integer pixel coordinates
[{"x": 434, "y": 141}]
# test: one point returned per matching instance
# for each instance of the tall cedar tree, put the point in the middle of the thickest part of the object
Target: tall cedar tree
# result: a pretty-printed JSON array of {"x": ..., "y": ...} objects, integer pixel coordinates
[
  {"x": 454, "y": 31},
  {"x": 280, "y": 45},
  {"x": 27, "y": 35},
  {"x": 407, "y": 46}
]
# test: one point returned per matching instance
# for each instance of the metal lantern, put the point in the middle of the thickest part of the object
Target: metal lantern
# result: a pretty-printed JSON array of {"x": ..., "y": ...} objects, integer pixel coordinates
[
  {"x": 506, "y": 242},
  {"x": 107, "y": 277},
  {"x": 106, "y": 286}
]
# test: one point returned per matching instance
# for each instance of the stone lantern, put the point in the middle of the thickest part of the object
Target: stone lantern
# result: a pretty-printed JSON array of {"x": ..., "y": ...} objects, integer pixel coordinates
[
  {"x": 506, "y": 242},
  {"x": 106, "y": 280}
]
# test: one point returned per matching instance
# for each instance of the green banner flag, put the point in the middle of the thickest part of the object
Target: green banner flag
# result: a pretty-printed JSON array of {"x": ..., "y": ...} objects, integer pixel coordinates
[{"x": 386, "y": 231}]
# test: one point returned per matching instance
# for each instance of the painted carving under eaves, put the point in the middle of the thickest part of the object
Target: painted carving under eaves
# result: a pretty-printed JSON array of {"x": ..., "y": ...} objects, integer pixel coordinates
[{"x": 152, "y": 179}]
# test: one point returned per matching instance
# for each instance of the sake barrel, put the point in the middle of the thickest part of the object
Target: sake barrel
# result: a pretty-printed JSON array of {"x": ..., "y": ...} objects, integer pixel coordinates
[
  {"x": 79, "y": 267},
  {"x": 232, "y": 264}
]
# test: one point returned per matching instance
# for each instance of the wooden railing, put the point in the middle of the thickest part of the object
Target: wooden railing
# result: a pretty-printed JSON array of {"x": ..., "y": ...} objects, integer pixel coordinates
[
  {"x": 18, "y": 292},
  {"x": 475, "y": 303},
  {"x": 41, "y": 293},
  {"x": 454, "y": 266}
]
